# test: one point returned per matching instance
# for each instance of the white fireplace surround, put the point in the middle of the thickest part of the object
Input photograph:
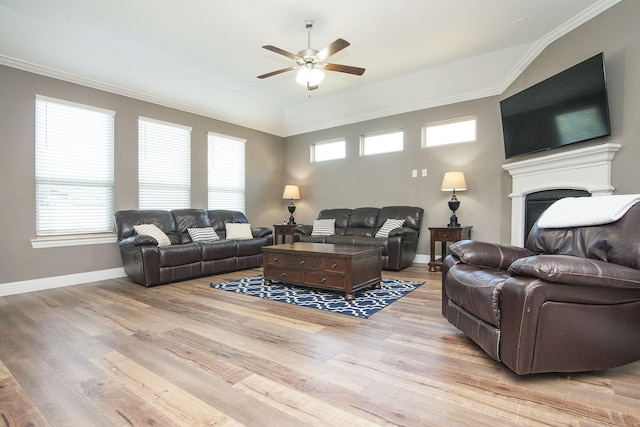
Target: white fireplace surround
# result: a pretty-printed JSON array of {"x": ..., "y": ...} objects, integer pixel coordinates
[{"x": 582, "y": 169}]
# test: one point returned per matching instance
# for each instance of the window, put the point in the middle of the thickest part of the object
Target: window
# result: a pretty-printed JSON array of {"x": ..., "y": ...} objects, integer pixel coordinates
[
  {"x": 379, "y": 143},
  {"x": 164, "y": 165},
  {"x": 449, "y": 132},
  {"x": 74, "y": 168},
  {"x": 226, "y": 172},
  {"x": 328, "y": 150}
]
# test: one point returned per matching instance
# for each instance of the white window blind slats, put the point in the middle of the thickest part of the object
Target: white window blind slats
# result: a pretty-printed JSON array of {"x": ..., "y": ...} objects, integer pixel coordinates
[
  {"x": 164, "y": 165},
  {"x": 74, "y": 168},
  {"x": 226, "y": 173}
]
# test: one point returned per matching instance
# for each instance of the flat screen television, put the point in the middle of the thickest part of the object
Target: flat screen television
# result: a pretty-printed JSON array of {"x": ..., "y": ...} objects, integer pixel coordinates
[{"x": 569, "y": 107}]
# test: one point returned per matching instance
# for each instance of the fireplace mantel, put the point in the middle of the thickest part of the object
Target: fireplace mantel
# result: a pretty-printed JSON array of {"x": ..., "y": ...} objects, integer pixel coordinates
[{"x": 582, "y": 169}]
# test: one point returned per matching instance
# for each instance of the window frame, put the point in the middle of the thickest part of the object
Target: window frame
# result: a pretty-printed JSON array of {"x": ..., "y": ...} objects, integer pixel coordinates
[
  {"x": 211, "y": 167},
  {"x": 314, "y": 145},
  {"x": 363, "y": 142},
  {"x": 46, "y": 176},
  {"x": 171, "y": 184},
  {"x": 447, "y": 122}
]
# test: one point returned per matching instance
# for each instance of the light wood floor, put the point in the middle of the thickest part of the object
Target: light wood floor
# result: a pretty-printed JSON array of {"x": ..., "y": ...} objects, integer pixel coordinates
[{"x": 116, "y": 353}]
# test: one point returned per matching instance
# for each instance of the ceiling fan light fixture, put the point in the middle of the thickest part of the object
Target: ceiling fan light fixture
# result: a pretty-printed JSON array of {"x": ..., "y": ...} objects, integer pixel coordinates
[{"x": 309, "y": 76}]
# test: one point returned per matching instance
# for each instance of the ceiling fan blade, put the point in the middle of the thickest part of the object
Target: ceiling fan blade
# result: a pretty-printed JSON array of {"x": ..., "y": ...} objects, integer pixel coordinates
[
  {"x": 334, "y": 47},
  {"x": 344, "y": 69},
  {"x": 282, "y": 52},
  {"x": 273, "y": 73}
]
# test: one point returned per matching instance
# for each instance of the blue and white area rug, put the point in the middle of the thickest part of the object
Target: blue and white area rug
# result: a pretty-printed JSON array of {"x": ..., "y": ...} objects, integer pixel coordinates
[{"x": 366, "y": 303}]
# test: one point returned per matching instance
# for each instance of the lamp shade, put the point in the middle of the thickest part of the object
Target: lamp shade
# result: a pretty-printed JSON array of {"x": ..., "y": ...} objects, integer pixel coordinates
[
  {"x": 291, "y": 192},
  {"x": 454, "y": 181}
]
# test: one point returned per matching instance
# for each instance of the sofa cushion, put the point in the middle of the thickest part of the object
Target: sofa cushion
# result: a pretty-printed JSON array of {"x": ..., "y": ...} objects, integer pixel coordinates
[
  {"x": 238, "y": 231},
  {"x": 389, "y": 225},
  {"x": 153, "y": 231},
  {"x": 219, "y": 217},
  {"x": 190, "y": 218},
  {"x": 341, "y": 215},
  {"x": 219, "y": 249},
  {"x": 249, "y": 247},
  {"x": 362, "y": 222},
  {"x": 412, "y": 216},
  {"x": 204, "y": 234},
  {"x": 171, "y": 256},
  {"x": 125, "y": 220},
  {"x": 324, "y": 227}
]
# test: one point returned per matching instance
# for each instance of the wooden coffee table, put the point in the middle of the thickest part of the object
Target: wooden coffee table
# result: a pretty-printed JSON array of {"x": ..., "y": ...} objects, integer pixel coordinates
[{"x": 342, "y": 268}]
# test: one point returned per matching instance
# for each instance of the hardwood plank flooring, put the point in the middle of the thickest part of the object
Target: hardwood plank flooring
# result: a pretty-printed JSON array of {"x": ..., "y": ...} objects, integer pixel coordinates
[{"x": 183, "y": 354}]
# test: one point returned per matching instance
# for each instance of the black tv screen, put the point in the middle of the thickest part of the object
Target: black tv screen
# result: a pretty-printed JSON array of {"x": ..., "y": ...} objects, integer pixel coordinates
[{"x": 564, "y": 109}]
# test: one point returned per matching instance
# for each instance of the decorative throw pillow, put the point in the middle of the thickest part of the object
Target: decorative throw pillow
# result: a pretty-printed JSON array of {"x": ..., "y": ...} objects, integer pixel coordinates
[
  {"x": 203, "y": 234},
  {"x": 153, "y": 231},
  {"x": 389, "y": 225},
  {"x": 238, "y": 231},
  {"x": 324, "y": 227}
]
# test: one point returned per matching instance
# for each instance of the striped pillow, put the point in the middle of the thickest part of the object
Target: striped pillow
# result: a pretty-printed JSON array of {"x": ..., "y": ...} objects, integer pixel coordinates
[
  {"x": 389, "y": 225},
  {"x": 153, "y": 231},
  {"x": 324, "y": 227},
  {"x": 203, "y": 234}
]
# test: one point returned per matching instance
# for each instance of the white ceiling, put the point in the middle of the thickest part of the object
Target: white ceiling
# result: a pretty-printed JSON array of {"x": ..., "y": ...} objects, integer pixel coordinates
[{"x": 203, "y": 56}]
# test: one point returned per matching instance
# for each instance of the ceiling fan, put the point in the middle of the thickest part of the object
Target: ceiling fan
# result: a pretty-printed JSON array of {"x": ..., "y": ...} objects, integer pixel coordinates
[{"x": 310, "y": 62}]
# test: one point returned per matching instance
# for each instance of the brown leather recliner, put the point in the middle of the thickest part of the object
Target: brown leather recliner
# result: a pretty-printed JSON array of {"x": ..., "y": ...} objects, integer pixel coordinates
[{"x": 568, "y": 302}]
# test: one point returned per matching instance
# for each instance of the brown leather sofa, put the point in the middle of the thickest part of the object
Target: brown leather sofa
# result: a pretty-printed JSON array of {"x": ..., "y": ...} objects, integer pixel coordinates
[
  {"x": 569, "y": 301},
  {"x": 359, "y": 227},
  {"x": 149, "y": 264}
]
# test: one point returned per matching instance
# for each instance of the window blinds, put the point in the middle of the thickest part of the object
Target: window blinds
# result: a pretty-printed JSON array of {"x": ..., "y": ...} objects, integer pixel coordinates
[
  {"x": 164, "y": 165},
  {"x": 74, "y": 168},
  {"x": 226, "y": 172}
]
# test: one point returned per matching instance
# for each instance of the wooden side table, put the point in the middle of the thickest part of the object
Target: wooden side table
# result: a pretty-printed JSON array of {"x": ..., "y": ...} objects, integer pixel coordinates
[
  {"x": 445, "y": 235},
  {"x": 283, "y": 230}
]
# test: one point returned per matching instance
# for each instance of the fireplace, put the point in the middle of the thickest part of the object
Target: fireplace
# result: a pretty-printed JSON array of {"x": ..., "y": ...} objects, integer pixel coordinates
[
  {"x": 586, "y": 169},
  {"x": 537, "y": 202}
]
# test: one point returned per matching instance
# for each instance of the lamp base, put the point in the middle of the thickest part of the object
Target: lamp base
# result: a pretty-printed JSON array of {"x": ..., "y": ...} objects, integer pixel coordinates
[
  {"x": 454, "y": 204},
  {"x": 292, "y": 209},
  {"x": 453, "y": 221}
]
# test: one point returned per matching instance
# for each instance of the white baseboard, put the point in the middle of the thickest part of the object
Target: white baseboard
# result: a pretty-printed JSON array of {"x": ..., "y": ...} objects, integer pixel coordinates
[
  {"x": 422, "y": 259},
  {"x": 13, "y": 288}
]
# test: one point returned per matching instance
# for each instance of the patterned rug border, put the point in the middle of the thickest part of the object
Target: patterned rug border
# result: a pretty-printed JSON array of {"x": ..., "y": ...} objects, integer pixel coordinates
[{"x": 366, "y": 303}]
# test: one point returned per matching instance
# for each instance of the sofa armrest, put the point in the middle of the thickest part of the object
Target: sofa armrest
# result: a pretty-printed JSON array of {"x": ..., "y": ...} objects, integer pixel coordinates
[
  {"x": 403, "y": 231},
  {"x": 485, "y": 254},
  {"x": 571, "y": 270},
  {"x": 261, "y": 231},
  {"x": 305, "y": 229},
  {"x": 138, "y": 240}
]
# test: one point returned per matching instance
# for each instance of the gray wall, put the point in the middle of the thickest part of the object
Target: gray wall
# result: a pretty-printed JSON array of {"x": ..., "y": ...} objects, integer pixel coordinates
[
  {"x": 385, "y": 179},
  {"x": 18, "y": 260}
]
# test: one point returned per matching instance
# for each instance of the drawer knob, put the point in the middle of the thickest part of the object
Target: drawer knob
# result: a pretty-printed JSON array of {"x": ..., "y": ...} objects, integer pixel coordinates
[
  {"x": 324, "y": 279},
  {"x": 301, "y": 262},
  {"x": 284, "y": 274},
  {"x": 334, "y": 265},
  {"x": 275, "y": 258}
]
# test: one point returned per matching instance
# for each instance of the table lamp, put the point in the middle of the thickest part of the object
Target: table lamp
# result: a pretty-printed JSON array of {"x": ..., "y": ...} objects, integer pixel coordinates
[
  {"x": 291, "y": 192},
  {"x": 453, "y": 181}
]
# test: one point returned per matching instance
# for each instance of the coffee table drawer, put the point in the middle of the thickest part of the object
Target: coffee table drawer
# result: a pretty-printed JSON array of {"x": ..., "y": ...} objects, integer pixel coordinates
[
  {"x": 278, "y": 273},
  {"x": 275, "y": 259},
  {"x": 324, "y": 280},
  {"x": 308, "y": 263},
  {"x": 334, "y": 264}
]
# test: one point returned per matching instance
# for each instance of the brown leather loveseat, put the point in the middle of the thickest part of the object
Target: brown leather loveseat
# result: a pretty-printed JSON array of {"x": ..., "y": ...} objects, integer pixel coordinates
[
  {"x": 362, "y": 227},
  {"x": 569, "y": 301},
  {"x": 150, "y": 263}
]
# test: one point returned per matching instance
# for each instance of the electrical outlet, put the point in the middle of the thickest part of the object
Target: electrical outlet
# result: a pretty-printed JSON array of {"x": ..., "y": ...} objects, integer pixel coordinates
[
  {"x": 424, "y": 172},
  {"x": 414, "y": 173}
]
